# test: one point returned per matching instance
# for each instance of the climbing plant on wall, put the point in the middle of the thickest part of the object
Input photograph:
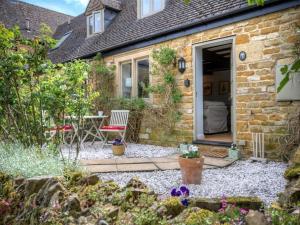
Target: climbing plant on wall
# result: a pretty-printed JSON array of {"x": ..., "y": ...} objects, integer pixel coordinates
[{"x": 166, "y": 92}]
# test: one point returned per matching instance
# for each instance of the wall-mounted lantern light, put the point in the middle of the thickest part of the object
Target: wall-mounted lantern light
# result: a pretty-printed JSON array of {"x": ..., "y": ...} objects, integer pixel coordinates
[
  {"x": 181, "y": 65},
  {"x": 243, "y": 55},
  {"x": 187, "y": 83}
]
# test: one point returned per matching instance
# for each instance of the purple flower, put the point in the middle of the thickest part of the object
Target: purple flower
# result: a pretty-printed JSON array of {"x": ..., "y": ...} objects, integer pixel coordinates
[
  {"x": 173, "y": 192},
  {"x": 178, "y": 193},
  {"x": 224, "y": 202},
  {"x": 185, "y": 191},
  {"x": 244, "y": 211},
  {"x": 185, "y": 202}
]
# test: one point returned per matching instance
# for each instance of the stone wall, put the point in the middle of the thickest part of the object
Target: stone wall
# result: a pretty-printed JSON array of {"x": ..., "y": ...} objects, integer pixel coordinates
[{"x": 268, "y": 41}]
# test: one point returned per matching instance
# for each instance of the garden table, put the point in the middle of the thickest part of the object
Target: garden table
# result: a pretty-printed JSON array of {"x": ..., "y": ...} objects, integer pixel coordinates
[{"x": 96, "y": 122}]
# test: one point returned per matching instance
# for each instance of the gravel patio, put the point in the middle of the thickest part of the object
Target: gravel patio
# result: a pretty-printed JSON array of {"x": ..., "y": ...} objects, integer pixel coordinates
[{"x": 243, "y": 178}]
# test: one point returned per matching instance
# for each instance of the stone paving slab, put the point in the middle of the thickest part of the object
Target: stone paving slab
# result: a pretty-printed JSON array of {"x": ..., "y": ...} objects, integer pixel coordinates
[
  {"x": 136, "y": 168},
  {"x": 217, "y": 162},
  {"x": 101, "y": 168},
  {"x": 133, "y": 160},
  {"x": 98, "y": 162},
  {"x": 146, "y": 164},
  {"x": 168, "y": 165},
  {"x": 163, "y": 160}
]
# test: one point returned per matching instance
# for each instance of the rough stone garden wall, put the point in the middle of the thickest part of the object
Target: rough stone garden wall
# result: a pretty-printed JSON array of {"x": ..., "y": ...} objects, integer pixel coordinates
[{"x": 268, "y": 41}]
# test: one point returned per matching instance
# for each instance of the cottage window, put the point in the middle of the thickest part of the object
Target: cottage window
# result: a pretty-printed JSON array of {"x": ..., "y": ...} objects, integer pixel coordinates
[
  {"x": 149, "y": 7},
  {"x": 143, "y": 77},
  {"x": 59, "y": 43},
  {"x": 95, "y": 23},
  {"x": 126, "y": 74}
]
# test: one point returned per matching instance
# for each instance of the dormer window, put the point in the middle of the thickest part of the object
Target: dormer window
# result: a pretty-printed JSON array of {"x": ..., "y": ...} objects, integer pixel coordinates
[
  {"x": 149, "y": 7},
  {"x": 95, "y": 23}
]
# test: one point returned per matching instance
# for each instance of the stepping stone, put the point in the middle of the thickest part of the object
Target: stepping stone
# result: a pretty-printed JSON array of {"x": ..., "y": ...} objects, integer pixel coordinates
[
  {"x": 98, "y": 162},
  {"x": 168, "y": 165},
  {"x": 217, "y": 162},
  {"x": 132, "y": 160},
  {"x": 164, "y": 160},
  {"x": 136, "y": 167},
  {"x": 101, "y": 168}
]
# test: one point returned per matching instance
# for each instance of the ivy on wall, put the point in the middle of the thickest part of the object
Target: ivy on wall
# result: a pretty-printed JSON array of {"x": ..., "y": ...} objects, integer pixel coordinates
[{"x": 166, "y": 91}]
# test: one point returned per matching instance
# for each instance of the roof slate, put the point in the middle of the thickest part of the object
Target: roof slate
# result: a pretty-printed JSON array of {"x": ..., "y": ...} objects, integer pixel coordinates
[
  {"x": 127, "y": 28},
  {"x": 13, "y": 12}
]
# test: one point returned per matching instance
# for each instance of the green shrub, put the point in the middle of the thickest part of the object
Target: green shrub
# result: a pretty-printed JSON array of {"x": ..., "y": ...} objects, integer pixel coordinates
[
  {"x": 18, "y": 161},
  {"x": 281, "y": 217},
  {"x": 201, "y": 217},
  {"x": 292, "y": 172},
  {"x": 148, "y": 217}
]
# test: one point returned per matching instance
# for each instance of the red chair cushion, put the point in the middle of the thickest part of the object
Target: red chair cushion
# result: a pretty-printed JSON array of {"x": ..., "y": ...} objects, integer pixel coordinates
[
  {"x": 62, "y": 128},
  {"x": 113, "y": 128}
]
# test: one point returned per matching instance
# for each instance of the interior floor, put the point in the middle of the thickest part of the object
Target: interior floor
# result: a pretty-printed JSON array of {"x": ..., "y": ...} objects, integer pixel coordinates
[{"x": 225, "y": 137}]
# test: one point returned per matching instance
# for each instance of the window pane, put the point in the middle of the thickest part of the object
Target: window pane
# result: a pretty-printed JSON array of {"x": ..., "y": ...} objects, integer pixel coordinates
[
  {"x": 126, "y": 80},
  {"x": 157, "y": 5},
  {"x": 98, "y": 23},
  {"x": 143, "y": 78},
  {"x": 146, "y": 7},
  {"x": 91, "y": 25}
]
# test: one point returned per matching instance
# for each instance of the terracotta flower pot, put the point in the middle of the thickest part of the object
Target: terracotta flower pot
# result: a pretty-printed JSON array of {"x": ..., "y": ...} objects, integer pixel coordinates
[
  {"x": 191, "y": 170},
  {"x": 118, "y": 150}
]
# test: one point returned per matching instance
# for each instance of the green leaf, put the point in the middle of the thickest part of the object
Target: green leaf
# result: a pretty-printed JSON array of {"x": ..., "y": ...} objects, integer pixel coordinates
[
  {"x": 284, "y": 69},
  {"x": 284, "y": 81}
]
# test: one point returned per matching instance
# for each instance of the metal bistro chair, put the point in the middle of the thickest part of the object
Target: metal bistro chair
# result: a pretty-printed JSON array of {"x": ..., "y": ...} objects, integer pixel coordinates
[{"x": 118, "y": 124}]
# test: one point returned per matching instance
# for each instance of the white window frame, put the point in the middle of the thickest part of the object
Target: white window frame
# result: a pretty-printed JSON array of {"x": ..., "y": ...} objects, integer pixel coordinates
[
  {"x": 152, "y": 11},
  {"x": 137, "y": 75},
  {"x": 93, "y": 19},
  {"x": 132, "y": 78}
]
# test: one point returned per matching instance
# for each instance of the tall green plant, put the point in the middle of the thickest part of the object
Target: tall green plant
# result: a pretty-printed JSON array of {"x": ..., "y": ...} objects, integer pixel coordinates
[
  {"x": 21, "y": 64},
  {"x": 167, "y": 90},
  {"x": 31, "y": 85}
]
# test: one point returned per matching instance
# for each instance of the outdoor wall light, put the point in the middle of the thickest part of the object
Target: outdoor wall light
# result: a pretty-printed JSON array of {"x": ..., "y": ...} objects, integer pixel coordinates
[
  {"x": 187, "y": 83},
  {"x": 181, "y": 65},
  {"x": 243, "y": 56}
]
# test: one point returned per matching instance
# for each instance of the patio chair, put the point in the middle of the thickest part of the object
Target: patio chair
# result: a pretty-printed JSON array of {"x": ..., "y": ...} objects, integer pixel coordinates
[
  {"x": 118, "y": 124},
  {"x": 51, "y": 129}
]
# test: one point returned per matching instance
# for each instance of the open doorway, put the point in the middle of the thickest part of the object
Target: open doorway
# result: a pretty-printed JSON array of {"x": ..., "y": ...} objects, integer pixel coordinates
[{"x": 214, "y": 85}]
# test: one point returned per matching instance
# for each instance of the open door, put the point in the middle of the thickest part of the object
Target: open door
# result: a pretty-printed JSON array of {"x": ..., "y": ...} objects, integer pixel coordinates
[{"x": 214, "y": 91}]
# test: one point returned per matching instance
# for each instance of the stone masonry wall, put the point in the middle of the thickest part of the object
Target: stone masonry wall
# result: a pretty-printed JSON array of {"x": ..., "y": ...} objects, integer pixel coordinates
[{"x": 268, "y": 40}]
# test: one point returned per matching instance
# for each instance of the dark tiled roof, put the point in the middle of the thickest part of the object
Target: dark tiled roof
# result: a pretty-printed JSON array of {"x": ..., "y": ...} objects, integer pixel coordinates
[
  {"x": 126, "y": 28},
  {"x": 14, "y": 12},
  {"x": 114, "y": 4}
]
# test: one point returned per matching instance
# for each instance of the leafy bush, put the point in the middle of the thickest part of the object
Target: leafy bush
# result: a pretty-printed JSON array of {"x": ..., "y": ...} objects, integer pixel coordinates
[
  {"x": 17, "y": 160},
  {"x": 282, "y": 217},
  {"x": 148, "y": 217}
]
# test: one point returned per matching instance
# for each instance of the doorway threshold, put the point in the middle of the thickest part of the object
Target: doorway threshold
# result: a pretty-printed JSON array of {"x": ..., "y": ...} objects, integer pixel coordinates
[{"x": 213, "y": 143}]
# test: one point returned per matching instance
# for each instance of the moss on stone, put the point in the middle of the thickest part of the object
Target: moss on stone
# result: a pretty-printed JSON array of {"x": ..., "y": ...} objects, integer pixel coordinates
[
  {"x": 173, "y": 206},
  {"x": 292, "y": 172},
  {"x": 200, "y": 217}
]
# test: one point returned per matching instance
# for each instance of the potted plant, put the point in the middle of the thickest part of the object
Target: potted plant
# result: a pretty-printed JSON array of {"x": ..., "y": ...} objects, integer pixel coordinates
[
  {"x": 191, "y": 164},
  {"x": 118, "y": 147},
  {"x": 234, "y": 152}
]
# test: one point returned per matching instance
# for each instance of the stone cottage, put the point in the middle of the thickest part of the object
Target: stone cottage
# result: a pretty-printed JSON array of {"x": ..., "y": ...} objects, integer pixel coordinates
[{"x": 230, "y": 56}]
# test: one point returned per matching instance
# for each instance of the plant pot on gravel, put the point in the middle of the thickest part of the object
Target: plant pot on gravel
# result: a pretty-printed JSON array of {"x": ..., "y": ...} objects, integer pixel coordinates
[
  {"x": 191, "y": 165},
  {"x": 118, "y": 147},
  {"x": 234, "y": 152}
]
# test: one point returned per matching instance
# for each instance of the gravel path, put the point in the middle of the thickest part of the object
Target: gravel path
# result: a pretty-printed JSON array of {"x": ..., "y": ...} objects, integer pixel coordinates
[
  {"x": 244, "y": 178},
  {"x": 133, "y": 151}
]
